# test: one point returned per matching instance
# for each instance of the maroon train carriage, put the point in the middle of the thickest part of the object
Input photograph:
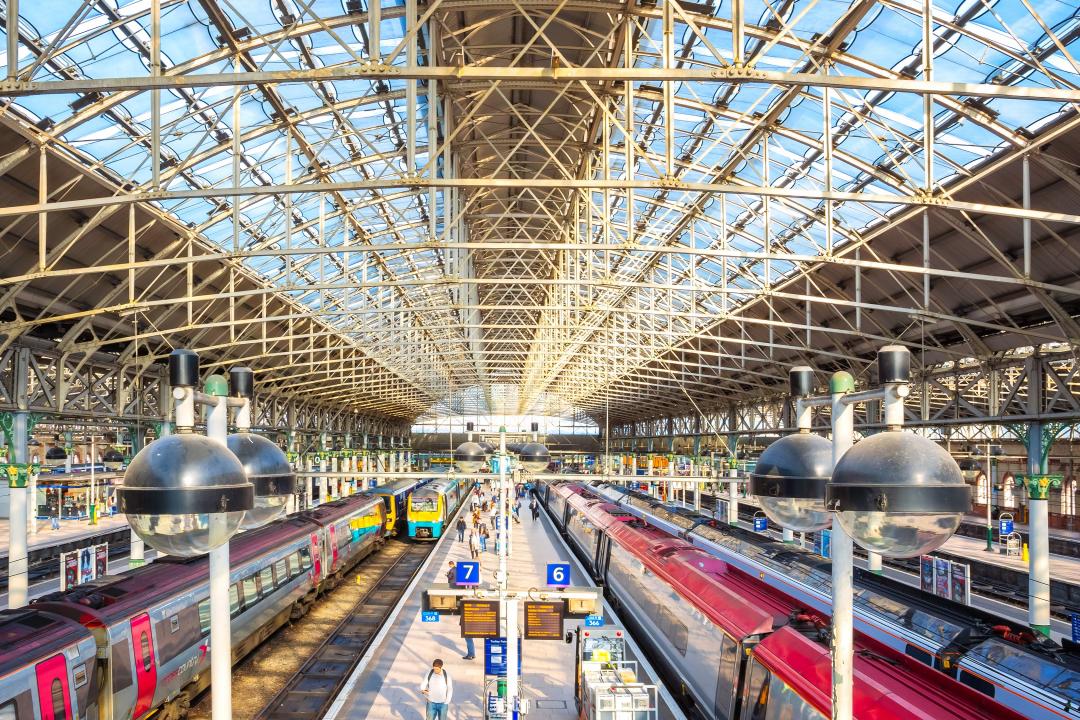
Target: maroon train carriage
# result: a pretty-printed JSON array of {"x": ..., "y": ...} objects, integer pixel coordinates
[
  {"x": 47, "y": 667},
  {"x": 724, "y": 634},
  {"x": 150, "y": 625},
  {"x": 789, "y": 677}
]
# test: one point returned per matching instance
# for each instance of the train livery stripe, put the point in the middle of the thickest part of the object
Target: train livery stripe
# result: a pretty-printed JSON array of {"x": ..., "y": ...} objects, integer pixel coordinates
[
  {"x": 142, "y": 645},
  {"x": 54, "y": 693}
]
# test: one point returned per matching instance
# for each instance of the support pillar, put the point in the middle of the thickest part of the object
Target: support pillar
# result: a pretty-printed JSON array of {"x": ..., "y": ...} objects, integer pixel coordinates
[
  {"x": 18, "y": 562},
  {"x": 1038, "y": 487}
]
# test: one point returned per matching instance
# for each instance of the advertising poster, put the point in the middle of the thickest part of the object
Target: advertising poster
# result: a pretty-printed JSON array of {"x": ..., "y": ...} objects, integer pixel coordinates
[
  {"x": 101, "y": 560},
  {"x": 926, "y": 573},
  {"x": 69, "y": 565},
  {"x": 961, "y": 585},
  {"x": 83, "y": 565},
  {"x": 941, "y": 578}
]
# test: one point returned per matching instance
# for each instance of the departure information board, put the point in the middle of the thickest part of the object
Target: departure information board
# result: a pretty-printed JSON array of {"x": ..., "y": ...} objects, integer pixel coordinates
[
  {"x": 479, "y": 618},
  {"x": 544, "y": 620}
]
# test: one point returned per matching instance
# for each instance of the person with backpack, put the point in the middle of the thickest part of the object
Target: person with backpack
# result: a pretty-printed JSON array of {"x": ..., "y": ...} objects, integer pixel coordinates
[{"x": 438, "y": 690}]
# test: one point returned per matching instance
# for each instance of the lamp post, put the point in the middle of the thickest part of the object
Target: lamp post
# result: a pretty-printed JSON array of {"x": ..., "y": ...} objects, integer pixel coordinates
[
  {"x": 186, "y": 494},
  {"x": 894, "y": 493}
]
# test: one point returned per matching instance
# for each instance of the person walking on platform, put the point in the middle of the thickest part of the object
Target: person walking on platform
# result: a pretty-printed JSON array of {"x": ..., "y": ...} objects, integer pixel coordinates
[
  {"x": 460, "y": 529},
  {"x": 484, "y": 535},
  {"x": 438, "y": 690},
  {"x": 535, "y": 510},
  {"x": 474, "y": 544},
  {"x": 451, "y": 574}
]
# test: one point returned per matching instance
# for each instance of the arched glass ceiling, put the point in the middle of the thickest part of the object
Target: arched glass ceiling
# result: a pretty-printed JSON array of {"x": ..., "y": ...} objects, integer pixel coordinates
[{"x": 686, "y": 201}]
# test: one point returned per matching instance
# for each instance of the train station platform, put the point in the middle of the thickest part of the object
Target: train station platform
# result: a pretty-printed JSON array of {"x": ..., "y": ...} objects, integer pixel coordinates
[
  {"x": 69, "y": 531},
  {"x": 386, "y": 684}
]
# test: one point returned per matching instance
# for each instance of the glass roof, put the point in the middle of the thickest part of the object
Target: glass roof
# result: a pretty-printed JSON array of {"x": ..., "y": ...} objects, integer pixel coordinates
[{"x": 355, "y": 131}]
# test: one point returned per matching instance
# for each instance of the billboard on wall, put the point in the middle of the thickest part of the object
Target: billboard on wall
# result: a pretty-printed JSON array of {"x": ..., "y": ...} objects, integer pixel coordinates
[{"x": 83, "y": 565}]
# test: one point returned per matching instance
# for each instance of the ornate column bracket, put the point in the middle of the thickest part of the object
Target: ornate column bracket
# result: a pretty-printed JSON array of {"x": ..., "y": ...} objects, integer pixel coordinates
[{"x": 1038, "y": 486}]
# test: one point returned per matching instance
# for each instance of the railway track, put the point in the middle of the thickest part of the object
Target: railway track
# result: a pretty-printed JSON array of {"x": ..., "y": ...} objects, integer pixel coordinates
[
  {"x": 311, "y": 690},
  {"x": 44, "y": 562}
]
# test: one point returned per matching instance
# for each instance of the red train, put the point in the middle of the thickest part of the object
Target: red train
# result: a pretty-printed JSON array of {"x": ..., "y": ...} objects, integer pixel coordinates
[
  {"x": 736, "y": 647},
  {"x": 122, "y": 648}
]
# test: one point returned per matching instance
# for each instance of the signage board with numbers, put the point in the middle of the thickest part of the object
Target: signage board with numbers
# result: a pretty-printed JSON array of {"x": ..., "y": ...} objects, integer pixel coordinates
[
  {"x": 429, "y": 616},
  {"x": 558, "y": 575},
  {"x": 467, "y": 574}
]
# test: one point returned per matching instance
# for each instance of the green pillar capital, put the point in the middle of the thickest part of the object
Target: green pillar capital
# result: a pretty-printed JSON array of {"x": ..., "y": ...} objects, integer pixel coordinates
[{"x": 1038, "y": 486}]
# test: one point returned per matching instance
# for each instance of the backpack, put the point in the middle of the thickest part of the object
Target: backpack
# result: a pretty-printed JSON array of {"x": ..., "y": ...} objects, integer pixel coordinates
[{"x": 430, "y": 672}]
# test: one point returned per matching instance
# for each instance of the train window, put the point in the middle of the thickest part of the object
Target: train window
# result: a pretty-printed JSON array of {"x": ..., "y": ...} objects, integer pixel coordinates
[
  {"x": 59, "y": 707},
  {"x": 251, "y": 591},
  {"x": 757, "y": 692},
  {"x": 266, "y": 579},
  {"x": 919, "y": 654},
  {"x": 144, "y": 649},
  {"x": 294, "y": 565},
  {"x": 974, "y": 681},
  {"x": 786, "y": 704},
  {"x": 281, "y": 571},
  {"x": 7, "y": 711},
  {"x": 305, "y": 558},
  {"x": 204, "y": 616},
  {"x": 121, "y": 665},
  {"x": 234, "y": 599}
]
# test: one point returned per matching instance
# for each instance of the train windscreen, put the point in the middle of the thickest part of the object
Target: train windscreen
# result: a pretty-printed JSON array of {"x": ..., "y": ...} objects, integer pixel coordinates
[{"x": 424, "y": 504}]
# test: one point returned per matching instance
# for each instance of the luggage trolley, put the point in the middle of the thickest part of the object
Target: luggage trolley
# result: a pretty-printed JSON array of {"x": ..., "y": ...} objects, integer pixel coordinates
[{"x": 606, "y": 685}]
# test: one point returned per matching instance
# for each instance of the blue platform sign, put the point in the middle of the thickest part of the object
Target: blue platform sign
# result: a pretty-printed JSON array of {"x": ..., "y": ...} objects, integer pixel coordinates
[
  {"x": 1005, "y": 526},
  {"x": 495, "y": 656},
  {"x": 467, "y": 573},
  {"x": 558, "y": 575},
  {"x": 1075, "y": 627},
  {"x": 761, "y": 524},
  {"x": 429, "y": 616},
  {"x": 594, "y": 621}
]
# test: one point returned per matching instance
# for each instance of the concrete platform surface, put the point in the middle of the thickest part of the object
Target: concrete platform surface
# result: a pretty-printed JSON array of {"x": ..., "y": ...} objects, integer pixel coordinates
[
  {"x": 69, "y": 530},
  {"x": 388, "y": 686}
]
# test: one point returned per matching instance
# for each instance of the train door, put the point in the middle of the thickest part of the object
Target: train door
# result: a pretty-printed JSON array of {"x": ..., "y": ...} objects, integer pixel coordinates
[
  {"x": 333, "y": 547},
  {"x": 54, "y": 693},
  {"x": 603, "y": 552},
  {"x": 142, "y": 643},
  {"x": 316, "y": 556}
]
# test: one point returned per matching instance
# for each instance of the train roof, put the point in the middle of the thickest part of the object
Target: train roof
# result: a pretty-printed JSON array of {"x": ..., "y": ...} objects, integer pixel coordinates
[
  {"x": 398, "y": 487},
  {"x": 29, "y": 635},
  {"x": 730, "y": 598},
  {"x": 885, "y": 686},
  {"x": 116, "y": 598},
  {"x": 437, "y": 486}
]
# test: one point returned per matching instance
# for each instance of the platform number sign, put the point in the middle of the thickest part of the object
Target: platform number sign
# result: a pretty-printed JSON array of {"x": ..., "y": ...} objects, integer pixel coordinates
[
  {"x": 1005, "y": 526},
  {"x": 467, "y": 573},
  {"x": 761, "y": 523},
  {"x": 1075, "y": 627},
  {"x": 594, "y": 621},
  {"x": 558, "y": 575},
  {"x": 429, "y": 616}
]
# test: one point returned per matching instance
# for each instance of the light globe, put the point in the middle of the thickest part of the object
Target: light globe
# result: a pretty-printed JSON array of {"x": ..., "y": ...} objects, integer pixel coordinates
[{"x": 898, "y": 494}]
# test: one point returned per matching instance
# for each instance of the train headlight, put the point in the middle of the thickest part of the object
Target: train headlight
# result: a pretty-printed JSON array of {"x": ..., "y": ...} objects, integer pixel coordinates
[
  {"x": 469, "y": 457},
  {"x": 789, "y": 481},
  {"x": 268, "y": 470},
  {"x": 898, "y": 494}
]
